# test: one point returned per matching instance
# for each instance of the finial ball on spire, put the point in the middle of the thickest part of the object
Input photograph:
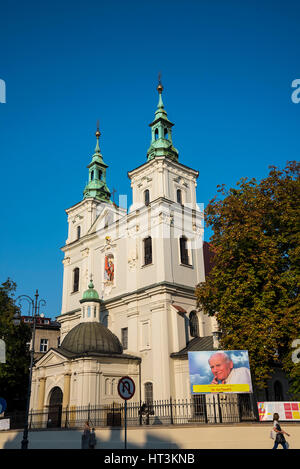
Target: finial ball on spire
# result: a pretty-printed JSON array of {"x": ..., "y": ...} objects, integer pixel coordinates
[
  {"x": 97, "y": 131},
  {"x": 159, "y": 87}
]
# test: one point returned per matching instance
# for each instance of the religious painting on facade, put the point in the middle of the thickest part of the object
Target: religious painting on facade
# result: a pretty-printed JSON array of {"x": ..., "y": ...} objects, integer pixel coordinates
[
  {"x": 220, "y": 372},
  {"x": 109, "y": 268}
]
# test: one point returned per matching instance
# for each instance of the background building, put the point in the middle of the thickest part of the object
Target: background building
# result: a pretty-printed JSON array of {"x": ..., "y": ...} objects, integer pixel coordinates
[{"x": 47, "y": 334}]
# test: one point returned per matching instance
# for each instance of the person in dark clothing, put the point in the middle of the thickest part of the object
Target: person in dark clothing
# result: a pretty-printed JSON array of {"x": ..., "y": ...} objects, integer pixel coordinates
[
  {"x": 92, "y": 442},
  {"x": 279, "y": 439},
  {"x": 85, "y": 438}
]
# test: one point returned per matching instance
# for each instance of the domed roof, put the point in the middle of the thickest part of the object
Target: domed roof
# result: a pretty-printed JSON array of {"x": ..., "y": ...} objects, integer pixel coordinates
[
  {"x": 90, "y": 294},
  {"x": 89, "y": 337}
]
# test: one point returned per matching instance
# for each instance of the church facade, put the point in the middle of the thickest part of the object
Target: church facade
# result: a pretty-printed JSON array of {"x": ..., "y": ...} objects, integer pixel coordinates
[{"x": 129, "y": 305}]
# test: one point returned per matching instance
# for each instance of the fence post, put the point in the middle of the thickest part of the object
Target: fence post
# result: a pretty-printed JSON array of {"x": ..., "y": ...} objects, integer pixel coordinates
[
  {"x": 172, "y": 421},
  {"x": 140, "y": 412},
  {"x": 67, "y": 417},
  {"x": 254, "y": 407},
  {"x": 30, "y": 419},
  {"x": 219, "y": 408},
  {"x": 205, "y": 408},
  {"x": 239, "y": 408}
]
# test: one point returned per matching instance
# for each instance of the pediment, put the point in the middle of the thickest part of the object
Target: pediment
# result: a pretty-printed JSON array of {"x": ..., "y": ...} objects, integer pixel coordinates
[
  {"x": 99, "y": 222},
  {"x": 106, "y": 217},
  {"x": 51, "y": 358}
]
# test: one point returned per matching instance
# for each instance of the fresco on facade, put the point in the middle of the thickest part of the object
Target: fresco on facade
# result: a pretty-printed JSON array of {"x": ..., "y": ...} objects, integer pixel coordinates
[
  {"x": 109, "y": 268},
  {"x": 220, "y": 371}
]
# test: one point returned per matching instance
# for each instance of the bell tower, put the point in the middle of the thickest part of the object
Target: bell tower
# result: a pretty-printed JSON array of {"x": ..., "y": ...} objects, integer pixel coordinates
[
  {"x": 96, "y": 186},
  {"x": 163, "y": 176},
  {"x": 161, "y": 131}
]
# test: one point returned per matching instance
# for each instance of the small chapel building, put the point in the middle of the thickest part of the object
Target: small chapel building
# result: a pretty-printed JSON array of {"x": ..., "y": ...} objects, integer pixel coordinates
[{"x": 129, "y": 305}]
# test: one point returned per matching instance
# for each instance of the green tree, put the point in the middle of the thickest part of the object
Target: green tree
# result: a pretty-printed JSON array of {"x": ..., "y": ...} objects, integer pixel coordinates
[
  {"x": 253, "y": 288},
  {"x": 14, "y": 373}
]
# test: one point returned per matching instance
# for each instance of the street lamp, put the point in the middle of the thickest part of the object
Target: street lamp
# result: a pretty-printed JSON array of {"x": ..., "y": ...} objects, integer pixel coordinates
[{"x": 34, "y": 306}]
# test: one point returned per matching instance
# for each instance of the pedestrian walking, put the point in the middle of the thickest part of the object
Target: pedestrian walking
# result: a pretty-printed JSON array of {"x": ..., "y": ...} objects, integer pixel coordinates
[
  {"x": 85, "y": 438},
  {"x": 92, "y": 442},
  {"x": 279, "y": 433}
]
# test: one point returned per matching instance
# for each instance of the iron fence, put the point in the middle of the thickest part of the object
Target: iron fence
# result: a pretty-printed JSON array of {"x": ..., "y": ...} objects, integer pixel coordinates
[{"x": 213, "y": 409}]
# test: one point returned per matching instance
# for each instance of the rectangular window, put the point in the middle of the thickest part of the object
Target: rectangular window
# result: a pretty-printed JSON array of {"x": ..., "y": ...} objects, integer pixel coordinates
[
  {"x": 43, "y": 345},
  {"x": 76, "y": 279},
  {"x": 124, "y": 337},
  {"x": 149, "y": 393},
  {"x": 148, "y": 251},
  {"x": 179, "y": 196},
  {"x": 184, "y": 254},
  {"x": 147, "y": 197},
  {"x": 145, "y": 334}
]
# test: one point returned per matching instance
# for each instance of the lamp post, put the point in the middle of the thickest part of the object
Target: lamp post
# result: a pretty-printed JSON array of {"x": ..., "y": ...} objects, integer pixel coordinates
[{"x": 34, "y": 306}]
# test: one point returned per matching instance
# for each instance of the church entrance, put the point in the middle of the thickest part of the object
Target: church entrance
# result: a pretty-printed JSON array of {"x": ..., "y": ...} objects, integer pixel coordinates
[{"x": 55, "y": 408}]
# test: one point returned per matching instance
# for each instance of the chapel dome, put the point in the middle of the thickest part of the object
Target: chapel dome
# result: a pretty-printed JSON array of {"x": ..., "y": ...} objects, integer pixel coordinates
[
  {"x": 91, "y": 294},
  {"x": 91, "y": 337}
]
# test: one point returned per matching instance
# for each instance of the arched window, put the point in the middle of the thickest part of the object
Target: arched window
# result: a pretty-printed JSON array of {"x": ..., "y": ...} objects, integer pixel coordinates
[
  {"x": 148, "y": 250},
  {"x": 149, "y": 393},
  {"x": 278, "y": 391},
  {"x": 76, "y": 279},
  {"x": 78, "y": 232},
  {"x": 184, "y": 254},
  {"x": 156, "y": 134},
  {"x": 166, "y": 133},
  {"x": 179, "y": 196},
  {"x": 193, "y": 323},
  {"x": 92, "y": 175},
  {"x": 100, "y": 174},
  {"x": 107, "y": 386},
  {"x": 147, "y": 197},
  {"x": 113, "y": 385}
]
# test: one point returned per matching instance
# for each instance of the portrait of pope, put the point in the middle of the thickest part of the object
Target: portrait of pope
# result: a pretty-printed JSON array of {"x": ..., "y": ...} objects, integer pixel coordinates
[{"x": 219, "y": 368}]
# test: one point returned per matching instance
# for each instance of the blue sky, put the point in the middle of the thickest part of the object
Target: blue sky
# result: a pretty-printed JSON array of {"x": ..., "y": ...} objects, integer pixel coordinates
[{"x": 227, "y": 69}]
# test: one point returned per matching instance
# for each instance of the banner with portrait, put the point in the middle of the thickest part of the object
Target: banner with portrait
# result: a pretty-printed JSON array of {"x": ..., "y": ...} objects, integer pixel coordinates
[
  {"x": 286, "y": 410},
  {"x": 220, "y": 371}
]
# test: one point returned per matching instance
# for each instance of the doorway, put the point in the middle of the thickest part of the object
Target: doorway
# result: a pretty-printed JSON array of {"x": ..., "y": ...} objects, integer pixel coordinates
[{"x": 55, "y": 408}]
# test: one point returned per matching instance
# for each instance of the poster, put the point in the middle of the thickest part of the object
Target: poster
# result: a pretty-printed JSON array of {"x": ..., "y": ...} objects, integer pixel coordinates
[
  {"x": 4, "y": 424},
  {"x": 285, "y": 410},
  {"x": 220, "y": 371}
]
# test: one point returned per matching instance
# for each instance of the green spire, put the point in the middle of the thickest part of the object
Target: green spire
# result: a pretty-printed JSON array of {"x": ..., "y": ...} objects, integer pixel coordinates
[
  {"x": 161, "y": 128},
  {"x": 96, "y": 187}
]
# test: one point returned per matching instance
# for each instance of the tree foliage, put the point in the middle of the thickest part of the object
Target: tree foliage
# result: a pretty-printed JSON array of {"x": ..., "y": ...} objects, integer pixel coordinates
[
  {"x": 13, "y": 373},
  {"x": 253, "y": 288}
]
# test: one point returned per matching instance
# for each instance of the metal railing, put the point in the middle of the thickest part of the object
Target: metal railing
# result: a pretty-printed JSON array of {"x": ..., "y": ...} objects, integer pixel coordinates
[{"x": 212, "y": 409}]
